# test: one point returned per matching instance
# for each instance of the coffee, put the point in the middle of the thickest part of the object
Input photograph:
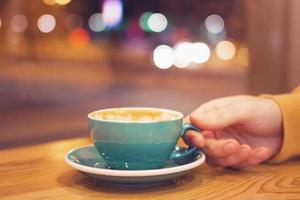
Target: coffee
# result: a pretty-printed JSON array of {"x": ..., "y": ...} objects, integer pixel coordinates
[{"x": 134, "y": 115}]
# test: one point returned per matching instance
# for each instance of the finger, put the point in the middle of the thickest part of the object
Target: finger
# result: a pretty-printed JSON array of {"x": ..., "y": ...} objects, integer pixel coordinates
[
  {"x": 191, "y": 135},
  {"x": 234, "y": 159},
  {"x": 257, "y": 156},
  {"x": 220, "y": 113},
  {"x": 208, "y": 134},
  {"x": 220, "y": 148},
  {"x": 194, "y": 138}
]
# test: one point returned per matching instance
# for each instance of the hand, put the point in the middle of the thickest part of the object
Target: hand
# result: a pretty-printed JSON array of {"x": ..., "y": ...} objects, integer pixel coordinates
[{"x": 239, "y": 131}]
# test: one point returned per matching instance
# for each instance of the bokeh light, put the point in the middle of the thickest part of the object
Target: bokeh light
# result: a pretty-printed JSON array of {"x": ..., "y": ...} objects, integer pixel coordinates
[
  {"x": 214, "y": 24},
  {"x": 163, "y": 56},
  {"x": 46, "y": 23},
  {"x": 243, "y": 56},
  {"x": 49, "y": 2},
  {"x": 74, "y": 21},
  {"x": 143, "y": 21},
  {"x": 79, "y": 38},
  {"x": 62, "y": 2},
  {"x": 96, "y": 22},
  {"x": 201, "y": 52},
  {"x": 225, "y": 50},
  {"x": 18, "y": 23},
  {"x": 0, "y": 22},
  {"x": 112, "y": 12},
  {"x": 157, "y": 22},
  {"x": 183, "y": 54}
]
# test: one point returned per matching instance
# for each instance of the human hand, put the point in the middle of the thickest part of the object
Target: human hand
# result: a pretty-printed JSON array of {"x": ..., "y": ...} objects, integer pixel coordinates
[{"x": 238, "y": 131}]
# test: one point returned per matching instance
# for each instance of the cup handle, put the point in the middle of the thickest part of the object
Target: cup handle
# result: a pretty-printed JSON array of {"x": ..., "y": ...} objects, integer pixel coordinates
[{"x": 190, "y": 150}]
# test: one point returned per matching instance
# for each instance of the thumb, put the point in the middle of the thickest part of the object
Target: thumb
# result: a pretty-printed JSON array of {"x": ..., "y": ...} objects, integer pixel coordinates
[{"x": 220, "y": 113}]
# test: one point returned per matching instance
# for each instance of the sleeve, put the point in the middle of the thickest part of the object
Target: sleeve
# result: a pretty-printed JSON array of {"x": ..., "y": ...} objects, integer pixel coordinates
[{"x": 290, "y": 109}]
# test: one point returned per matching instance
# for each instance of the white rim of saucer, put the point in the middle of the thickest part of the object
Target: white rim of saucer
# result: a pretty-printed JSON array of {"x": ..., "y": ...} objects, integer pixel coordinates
[{"x": 132, "y": 173}]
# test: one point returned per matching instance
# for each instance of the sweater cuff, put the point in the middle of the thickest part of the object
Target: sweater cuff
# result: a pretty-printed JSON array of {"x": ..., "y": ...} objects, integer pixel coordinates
[{"x": 290, "y": 108}]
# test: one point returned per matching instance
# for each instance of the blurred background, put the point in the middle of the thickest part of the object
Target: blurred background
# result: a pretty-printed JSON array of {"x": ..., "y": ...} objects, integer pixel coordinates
[{"x": 61, "y": 59}]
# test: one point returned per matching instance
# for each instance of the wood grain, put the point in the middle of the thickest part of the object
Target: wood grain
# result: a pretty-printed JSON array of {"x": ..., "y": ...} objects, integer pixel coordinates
[{"x": 39, "y": 172}]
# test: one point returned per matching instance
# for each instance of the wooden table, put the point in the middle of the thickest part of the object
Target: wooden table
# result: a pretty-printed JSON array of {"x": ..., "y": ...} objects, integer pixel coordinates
[{"x": 39, "y": 172}]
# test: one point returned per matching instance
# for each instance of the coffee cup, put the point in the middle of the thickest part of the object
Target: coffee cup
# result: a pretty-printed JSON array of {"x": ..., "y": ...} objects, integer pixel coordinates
[{"x": 136, "y": 138}]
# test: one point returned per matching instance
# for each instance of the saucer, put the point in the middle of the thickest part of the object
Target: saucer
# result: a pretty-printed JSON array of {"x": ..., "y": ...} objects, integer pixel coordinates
[{"x": 87, "y": 161}]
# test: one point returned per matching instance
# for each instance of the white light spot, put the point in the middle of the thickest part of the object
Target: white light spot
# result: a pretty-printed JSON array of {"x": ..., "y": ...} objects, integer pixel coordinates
[
  {"x": 96, "y": 22},
  {"x": 112, "y": 12},
  {"x": 157, "y": 22},
  {"x": 46, "y": 23},
  {"x": 201, "y": 52},
  {"x": 163, "y": 56},
  {"x": 183, "y": 54},
  {"x": 214, "y": 24}
]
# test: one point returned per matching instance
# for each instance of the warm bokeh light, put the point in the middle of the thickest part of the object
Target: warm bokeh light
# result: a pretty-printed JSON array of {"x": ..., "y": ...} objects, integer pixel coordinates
[
  {"x": 62, "y": 2},
  {"x": 112, "y": 12},
  {"x": 49, "y": 2},
  {"x": 243, "y": 56},
  {"x": 18, "y": 23},
  {"x": 163, "y": 56},
  {"x": 201, "y": 52},
  {"x": 0, "y": 23},
  {"x": 143, "y": 21},
  {"x": 214, "y": 24},
  {"x": 96, "y": 22},
  {"x": 46, "y": 23},
  {"x": 183, "y": 54},
  {"x": 157, "y": 22},
  {"x": 225, "y": 50},
  {"x": 74, "y": 21},
  {"x": 79, "y": 38}
]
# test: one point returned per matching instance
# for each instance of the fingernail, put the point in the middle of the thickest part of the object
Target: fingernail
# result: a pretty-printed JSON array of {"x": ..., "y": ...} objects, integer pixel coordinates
[{"x": 230, "y": 147}]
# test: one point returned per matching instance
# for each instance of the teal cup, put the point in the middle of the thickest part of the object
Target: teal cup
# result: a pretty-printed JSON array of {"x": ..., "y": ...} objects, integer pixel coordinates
[{"x": 138, "y": 138}]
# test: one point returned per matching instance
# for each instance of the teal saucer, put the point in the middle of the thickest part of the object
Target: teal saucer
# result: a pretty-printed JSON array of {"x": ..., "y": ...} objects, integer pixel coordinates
[{"x": 87, "y": 161}]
